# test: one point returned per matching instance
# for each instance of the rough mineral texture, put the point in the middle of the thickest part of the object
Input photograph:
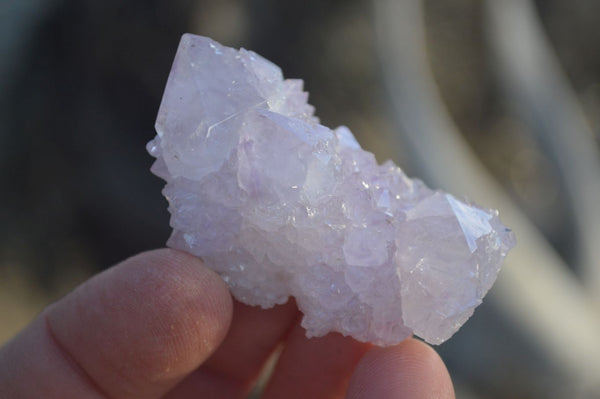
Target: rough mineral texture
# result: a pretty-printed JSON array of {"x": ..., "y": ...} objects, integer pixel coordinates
[{"x": 280, "y": 205}]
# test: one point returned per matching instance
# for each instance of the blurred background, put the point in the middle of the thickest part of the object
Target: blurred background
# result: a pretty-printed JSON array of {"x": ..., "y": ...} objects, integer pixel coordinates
[{"x": 494, "y": 100}]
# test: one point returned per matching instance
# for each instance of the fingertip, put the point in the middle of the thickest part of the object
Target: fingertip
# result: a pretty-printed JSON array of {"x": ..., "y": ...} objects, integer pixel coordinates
[
  {"x": 411, "y": 369},
  {"x": 143, "y": 325}
]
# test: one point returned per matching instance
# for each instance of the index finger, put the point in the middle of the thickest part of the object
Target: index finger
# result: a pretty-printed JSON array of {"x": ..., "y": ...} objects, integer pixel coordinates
[{"x": 411, "y": 369}]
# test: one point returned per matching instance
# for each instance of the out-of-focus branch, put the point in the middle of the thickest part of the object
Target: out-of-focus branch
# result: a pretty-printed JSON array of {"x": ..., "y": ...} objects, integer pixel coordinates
[
  {"x": 535, "y": 288},
  {"x": 531, "y": 75}
]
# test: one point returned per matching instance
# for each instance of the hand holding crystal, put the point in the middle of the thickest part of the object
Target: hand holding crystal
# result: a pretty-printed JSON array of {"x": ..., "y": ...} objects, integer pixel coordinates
[{"x": 161, "y": 324}]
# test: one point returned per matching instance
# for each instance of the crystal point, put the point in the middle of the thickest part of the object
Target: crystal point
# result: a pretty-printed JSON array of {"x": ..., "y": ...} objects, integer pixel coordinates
[{"x": 280, "y": 205}]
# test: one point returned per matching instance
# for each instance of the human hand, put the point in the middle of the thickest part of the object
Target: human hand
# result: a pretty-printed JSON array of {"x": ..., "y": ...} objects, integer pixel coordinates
[{"x": 161, "y": 324}]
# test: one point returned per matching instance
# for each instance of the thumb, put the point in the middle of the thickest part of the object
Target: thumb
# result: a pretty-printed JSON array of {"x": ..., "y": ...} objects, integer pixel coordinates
[{"x": 133, "y": 331}]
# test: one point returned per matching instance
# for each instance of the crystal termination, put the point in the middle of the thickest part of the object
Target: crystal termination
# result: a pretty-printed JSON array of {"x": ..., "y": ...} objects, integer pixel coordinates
[{"x": 280, "y": 205}]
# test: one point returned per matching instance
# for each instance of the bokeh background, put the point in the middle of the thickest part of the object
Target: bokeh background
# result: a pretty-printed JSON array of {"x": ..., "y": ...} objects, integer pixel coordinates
[{"x": 495, "y": 100}]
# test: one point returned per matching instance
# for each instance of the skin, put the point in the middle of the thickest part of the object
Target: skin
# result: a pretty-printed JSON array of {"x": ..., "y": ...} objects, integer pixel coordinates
[{"x": 162, "y": 325}]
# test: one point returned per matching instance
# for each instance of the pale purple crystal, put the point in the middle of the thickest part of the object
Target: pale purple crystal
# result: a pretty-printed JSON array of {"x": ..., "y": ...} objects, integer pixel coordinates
[{"x": 282, "y": 206}]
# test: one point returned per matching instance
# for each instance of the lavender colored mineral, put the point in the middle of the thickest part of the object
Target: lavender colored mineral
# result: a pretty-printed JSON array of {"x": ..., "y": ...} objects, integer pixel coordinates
[{"x": 280, "y": 205}]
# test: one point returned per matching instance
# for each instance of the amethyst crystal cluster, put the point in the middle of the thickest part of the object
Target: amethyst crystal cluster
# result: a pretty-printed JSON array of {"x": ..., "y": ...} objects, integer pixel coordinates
[{"x": 280, "y": 205}]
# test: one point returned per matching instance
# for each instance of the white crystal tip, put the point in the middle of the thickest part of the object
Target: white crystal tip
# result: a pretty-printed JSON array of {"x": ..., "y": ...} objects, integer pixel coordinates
[{"x": 280, "y": 205}]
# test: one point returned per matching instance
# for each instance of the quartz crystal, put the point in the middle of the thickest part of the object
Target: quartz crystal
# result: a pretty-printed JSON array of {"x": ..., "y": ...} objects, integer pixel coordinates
[{"x": 280, "y": 205}]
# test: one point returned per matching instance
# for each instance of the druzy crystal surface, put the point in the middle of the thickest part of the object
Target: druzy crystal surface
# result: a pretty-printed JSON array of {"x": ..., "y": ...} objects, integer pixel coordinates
[{"x": 280, "y": 205}]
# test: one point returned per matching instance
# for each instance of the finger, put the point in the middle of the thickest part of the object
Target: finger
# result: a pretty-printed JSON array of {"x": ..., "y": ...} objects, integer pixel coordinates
[
  {"x": 411, "y": 369},
  {"x": 233, "y": 368},
  {"x": 316, "y": 367},
  {"x": 133, "y": 331}
]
